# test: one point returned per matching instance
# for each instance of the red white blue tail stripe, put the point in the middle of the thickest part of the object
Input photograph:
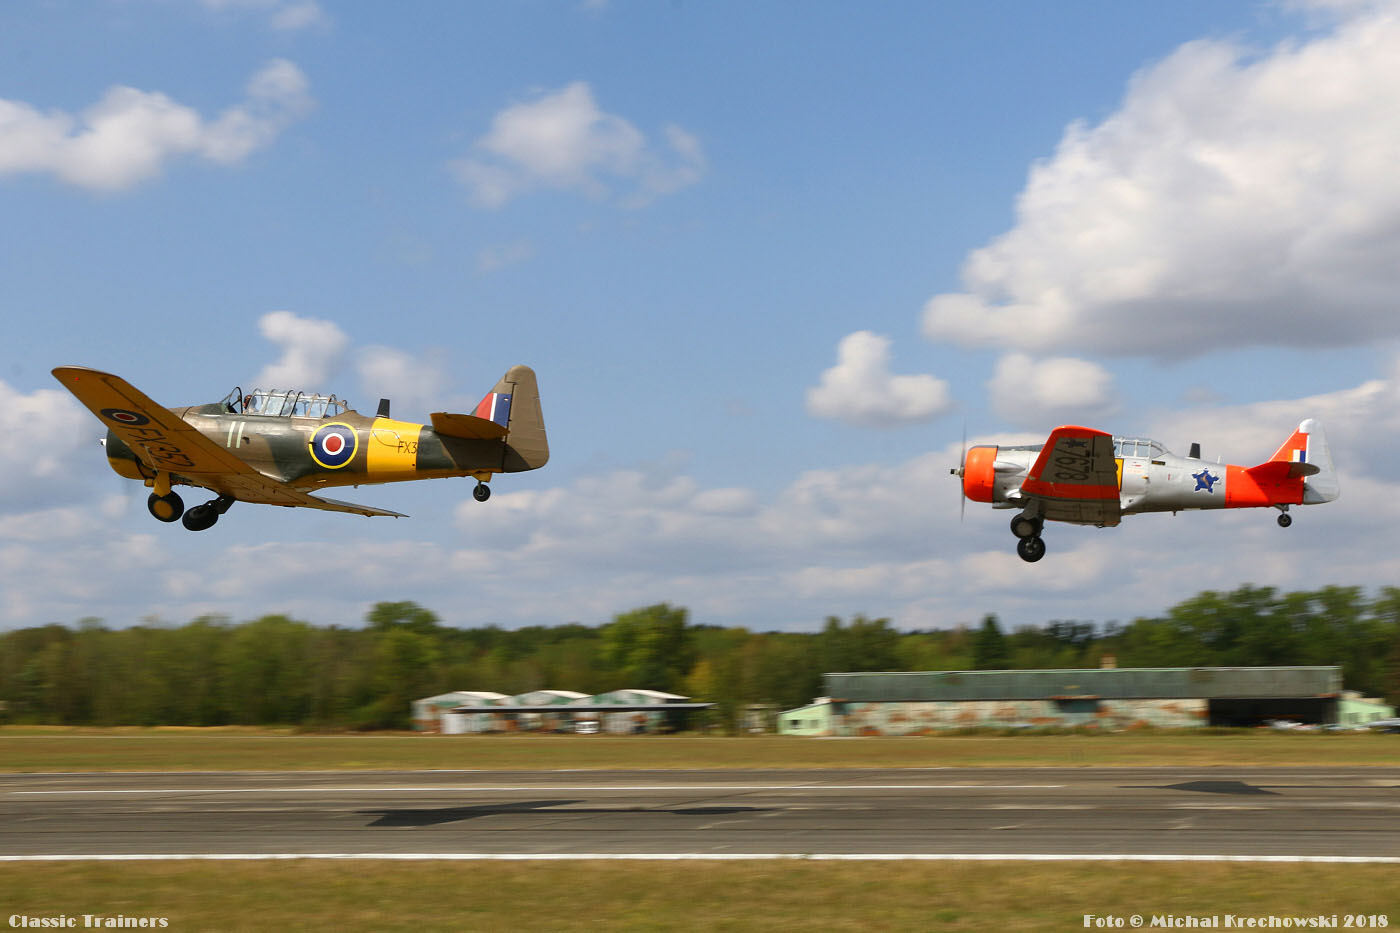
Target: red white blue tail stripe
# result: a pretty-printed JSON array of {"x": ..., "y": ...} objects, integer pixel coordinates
[{"x": 495, "y": 407}]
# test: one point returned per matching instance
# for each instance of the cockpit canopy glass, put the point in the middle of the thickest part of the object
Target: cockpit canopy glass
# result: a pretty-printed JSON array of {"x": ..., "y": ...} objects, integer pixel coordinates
[
  {"x": 1137, "y": 447},
  {"x": 285, "y": 403}
]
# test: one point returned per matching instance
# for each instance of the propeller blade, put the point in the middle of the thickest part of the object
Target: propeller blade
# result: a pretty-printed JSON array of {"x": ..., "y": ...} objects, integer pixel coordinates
[{"x": 962, "y": 463}]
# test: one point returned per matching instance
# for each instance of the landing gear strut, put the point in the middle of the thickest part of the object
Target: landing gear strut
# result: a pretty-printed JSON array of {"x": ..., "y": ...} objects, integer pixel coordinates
[{"x": 1284, "y": 520}]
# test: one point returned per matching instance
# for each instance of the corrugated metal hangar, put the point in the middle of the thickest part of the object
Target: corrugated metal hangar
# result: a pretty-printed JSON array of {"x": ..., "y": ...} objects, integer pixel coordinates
[{"x": 1106, "y": 698}]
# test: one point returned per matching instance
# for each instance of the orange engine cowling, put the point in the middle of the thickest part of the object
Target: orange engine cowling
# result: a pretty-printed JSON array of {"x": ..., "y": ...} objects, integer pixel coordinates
[{"x": 979, "y": 477}]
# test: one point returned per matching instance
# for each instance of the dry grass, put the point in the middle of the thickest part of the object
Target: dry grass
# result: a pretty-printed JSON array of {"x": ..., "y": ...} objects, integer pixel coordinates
[
  {"x": 242, "y": 749},
  {"x": 854, "y": 896}
]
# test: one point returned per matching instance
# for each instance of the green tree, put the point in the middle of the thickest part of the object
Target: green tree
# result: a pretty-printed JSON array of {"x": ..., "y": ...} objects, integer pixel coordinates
[
  {"x": 862, "y": 645},
  {"x": 406, "y": 615},
  {"x": 651, "y": 647},
  {"x": 989, "y": 648}
]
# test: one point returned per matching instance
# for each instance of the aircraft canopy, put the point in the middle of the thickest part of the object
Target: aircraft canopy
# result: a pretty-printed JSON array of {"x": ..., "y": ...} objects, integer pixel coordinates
[
  {"x": 1143, "y": 447},
  {"x": 285, "y": 403}
]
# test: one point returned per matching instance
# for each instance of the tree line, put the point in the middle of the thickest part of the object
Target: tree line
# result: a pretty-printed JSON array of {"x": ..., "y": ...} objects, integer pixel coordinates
[{"x": 281, "y": 671}]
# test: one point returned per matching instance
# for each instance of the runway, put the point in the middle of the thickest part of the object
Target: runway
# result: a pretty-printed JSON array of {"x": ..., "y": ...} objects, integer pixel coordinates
[{"x": 974, "y": 813}]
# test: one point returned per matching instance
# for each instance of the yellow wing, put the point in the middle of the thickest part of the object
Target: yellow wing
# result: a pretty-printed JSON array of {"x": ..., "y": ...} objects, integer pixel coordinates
[{"x": 166, "y": 442}]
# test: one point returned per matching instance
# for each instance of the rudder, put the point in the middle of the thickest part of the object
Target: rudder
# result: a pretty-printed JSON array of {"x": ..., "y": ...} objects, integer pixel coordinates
[{"x": 527, "y": 447}]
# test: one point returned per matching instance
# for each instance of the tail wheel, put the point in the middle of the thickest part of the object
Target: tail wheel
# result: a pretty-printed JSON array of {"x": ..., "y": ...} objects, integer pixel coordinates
[
  {"x": 1285, "y": 520},
  {"x": 482, "y": 492},
  {"x": 167, "y": 508},
  {"x": 1031, "y": 549}
]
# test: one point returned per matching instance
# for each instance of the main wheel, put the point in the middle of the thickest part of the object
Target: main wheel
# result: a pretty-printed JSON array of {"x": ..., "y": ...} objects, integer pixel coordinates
[
  {"x": 1285, "y": 520},
  {"x": 165, "y": 508},
  {"x": 1031, "y": 549},
  {"x": 482, "y": 492},
  {"x": 201, "y": 517},
  {"x": 1023, "y": 527}
]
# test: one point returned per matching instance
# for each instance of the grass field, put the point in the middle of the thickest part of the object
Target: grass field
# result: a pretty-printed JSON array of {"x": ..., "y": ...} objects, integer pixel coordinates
[
  {"x": 174, "y": 749},
  {"x": 721, "y": 896},
  {"x": 835, "y": 896}
]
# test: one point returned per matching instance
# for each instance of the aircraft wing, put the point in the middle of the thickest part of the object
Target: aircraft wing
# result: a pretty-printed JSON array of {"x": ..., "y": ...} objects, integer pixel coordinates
[
  {"x": 1076, "y": 477},
  {"x": 167, "y": 442},
  {"x": 152, "y": 431}
]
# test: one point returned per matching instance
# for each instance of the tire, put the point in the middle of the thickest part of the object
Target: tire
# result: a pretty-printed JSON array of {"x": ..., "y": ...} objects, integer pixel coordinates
[
  {"x": 200, "y": 518},
  {"x": 1031, "y": 549},
  {"x": 165, "y": 508}
]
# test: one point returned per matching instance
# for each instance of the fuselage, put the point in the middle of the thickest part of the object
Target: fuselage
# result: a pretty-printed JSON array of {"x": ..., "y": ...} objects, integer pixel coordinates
[{"x": 339, "y": 448}]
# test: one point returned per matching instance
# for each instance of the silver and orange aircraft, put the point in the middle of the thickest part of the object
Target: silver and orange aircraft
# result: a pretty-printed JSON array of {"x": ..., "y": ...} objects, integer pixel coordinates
[
  {"x": 277, "y": 447},
  {"x": 1088, "y": 477}
]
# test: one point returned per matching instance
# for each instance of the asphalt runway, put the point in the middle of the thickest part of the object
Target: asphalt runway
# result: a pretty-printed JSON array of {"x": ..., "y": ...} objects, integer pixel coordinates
[{"x": 1091, "y": 812}]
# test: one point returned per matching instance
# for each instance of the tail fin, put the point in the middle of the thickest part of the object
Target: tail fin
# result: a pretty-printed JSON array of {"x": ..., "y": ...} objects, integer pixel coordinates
[
  {"x": 510, "y": 411},
  {"x": 1310, "y": 457},
  {"x": 527, "y": 447}
]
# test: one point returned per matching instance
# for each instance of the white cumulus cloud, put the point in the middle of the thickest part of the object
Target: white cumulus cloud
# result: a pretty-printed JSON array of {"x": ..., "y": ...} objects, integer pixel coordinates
[
  {"x": 563, "y": 141},
  {"x": 55, "y": 428},
  {"x": 416, "y": 383},
  {"x": 283, "y": 15},
  {"x": 129, "y": 135},
  {"x": 312, "y": 351},
  {"x": 1033, "y": 393},
  {"x": 861, "y": 390},
  {"x": 1233, "y": 199}
]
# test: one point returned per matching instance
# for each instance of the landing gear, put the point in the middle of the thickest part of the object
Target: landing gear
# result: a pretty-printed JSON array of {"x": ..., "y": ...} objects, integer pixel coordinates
[
  {"x": 203, "y": 517},
  {"x": 482, "y": 492},
  {"x": 1027, "y": 527},
  {"x": 1031, "y": 548},
  {"x": 1023, "y": 526},
  {"x": 1285, "y": 520},
  {"x": 166, "y": 508}
]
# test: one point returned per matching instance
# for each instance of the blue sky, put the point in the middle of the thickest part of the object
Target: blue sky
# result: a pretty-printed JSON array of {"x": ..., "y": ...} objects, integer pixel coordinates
[{"x": 767, "y": 259}]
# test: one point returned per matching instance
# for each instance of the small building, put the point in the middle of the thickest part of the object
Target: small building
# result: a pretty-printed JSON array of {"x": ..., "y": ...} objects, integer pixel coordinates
[
  {"x": 428, "y": 712},
  {"x": 1353, "y": 709},
  {"x": 637, "y": 718},
  {"x": 807, "y": 720},
  {"x": 1104, "y": 698}
]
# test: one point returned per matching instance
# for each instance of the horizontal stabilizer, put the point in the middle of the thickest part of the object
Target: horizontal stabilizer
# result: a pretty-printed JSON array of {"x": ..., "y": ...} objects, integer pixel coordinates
[
  {"x": 1278, "y": 470},
  {"x": 469, "y": 427}
]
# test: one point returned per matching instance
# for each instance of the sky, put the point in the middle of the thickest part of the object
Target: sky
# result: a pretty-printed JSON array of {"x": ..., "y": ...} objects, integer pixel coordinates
[{"x": 771, "y": 262}]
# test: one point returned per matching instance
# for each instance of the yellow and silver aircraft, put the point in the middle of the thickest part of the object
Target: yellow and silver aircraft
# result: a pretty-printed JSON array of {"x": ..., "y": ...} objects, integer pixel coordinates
[{"x": 277, "y": 447}]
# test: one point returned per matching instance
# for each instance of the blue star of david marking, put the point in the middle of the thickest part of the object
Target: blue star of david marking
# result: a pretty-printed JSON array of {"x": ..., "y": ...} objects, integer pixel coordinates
[
  {"x": 1077, "y": 442},
  {"x": 1204, "y": 480}
]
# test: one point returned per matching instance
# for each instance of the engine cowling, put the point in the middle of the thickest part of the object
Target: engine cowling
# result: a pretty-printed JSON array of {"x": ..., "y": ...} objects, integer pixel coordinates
[{"x": 979, "y": 478}]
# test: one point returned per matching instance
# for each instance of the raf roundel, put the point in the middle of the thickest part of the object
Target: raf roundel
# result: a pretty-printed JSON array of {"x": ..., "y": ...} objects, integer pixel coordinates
[
  {"x": 333, "y": 445},
  {"x": 122, "y": 416}
]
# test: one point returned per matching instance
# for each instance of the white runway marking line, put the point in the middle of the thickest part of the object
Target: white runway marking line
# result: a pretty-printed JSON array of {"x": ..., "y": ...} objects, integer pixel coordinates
[
  {"x": 702, "y": 857},
  {"x": 526, "y": 788}
]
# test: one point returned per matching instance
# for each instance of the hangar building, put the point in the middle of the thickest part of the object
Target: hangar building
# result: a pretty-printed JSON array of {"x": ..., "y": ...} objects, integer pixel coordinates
[
  {"x": 1107, "y": 698},
  {"x": 618, "y": 711}
]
